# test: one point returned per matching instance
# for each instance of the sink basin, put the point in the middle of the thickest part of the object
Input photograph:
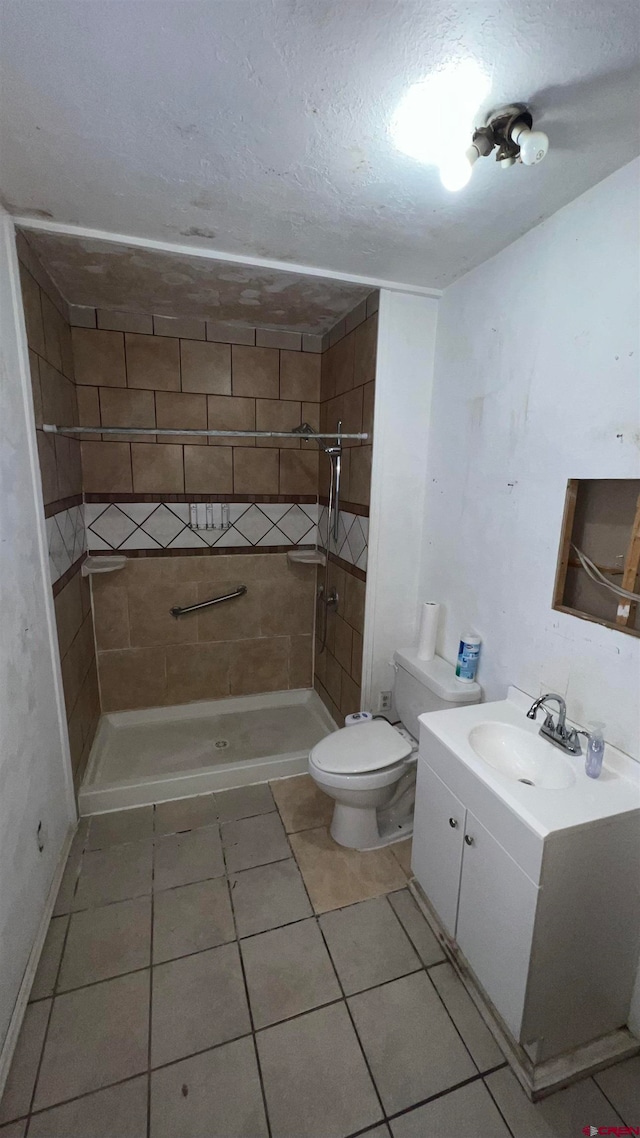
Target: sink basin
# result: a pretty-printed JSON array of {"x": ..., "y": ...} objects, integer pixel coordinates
[{"x": 521, "y": 756}]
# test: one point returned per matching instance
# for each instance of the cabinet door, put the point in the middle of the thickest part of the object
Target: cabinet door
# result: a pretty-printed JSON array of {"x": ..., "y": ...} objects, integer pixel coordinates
[
  {"x": 496, "y": 914},
  {"x": 437, "y": 844}
]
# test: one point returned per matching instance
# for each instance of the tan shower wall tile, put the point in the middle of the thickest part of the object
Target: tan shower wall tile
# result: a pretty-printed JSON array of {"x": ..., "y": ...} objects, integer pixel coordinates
[
  {"x": 98, "y": 357},
  {"x": 67, "y": 451},
  {"x": 32, "y": 310},
  {"x": 354, "y": 602},
  {"x": 356, "y": 658},
  {"x": 301, "y": 661},
  {"x": 346, "y": 408},
  {"x": 157, "y": 468},
  {"x": 124, "y": 321},
  {"x": 53, "y": 332},
  {"x": 88, "y": 409},
  {"x": 208, "y": 471},
  {"x": 206, "y": 367},
  {"x": 198, "y": 671},
  {"x": 69, "y": 613},
  {"x": 259, "y": 666},
  {"x": 59, "y": 404},
  {"x": 350, "y": 696},
  {"x": 343, "y": 643},
  {"x": 333, "y": 677},
  {"x": 120, "y": 408},
  {"x": 310, "y": 415},
  {"x": 300, "y": 376},
  {"x": 238, "y": 619},
  {"x": 150, "y": 619},
  {"x": 286, "y": 611},
  {"x": 360, "y": 475},
  {"x": 278, "y": 415},
  {"x": 111, "y": 618},
  {"x": 133, "y": 677},
  {"x": 298, "y": 472},
  {"x": 175, "y": 409},
  {"x": 185, "y": 327},
  {"x": 36, "y": 394},
  {"x": 343, "y": 363},
  {"x": 368, "y": 398},
  {"x": 48, "y": 468},
  {"x": 231, "y": 413},
  {"x": 255, "y": 371},
  {"x": 75, "y": 663},
  {"x": 366, "y": 340},
  {"x": 152, "y": 362},
  {"x": 106, "y": 467},
  {"x": 255, "y": 471}
]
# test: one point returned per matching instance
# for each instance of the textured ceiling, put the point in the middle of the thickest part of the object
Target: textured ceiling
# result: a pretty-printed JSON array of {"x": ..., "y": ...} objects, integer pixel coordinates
[
  {"x": 261, "y": 127},
  {"x": 106, "y": 275}
]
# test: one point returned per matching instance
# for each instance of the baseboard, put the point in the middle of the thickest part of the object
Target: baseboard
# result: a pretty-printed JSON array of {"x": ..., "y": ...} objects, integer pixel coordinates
[
  {"x": 22, "y": 999},
  {"x": 538, "y": 1080}
]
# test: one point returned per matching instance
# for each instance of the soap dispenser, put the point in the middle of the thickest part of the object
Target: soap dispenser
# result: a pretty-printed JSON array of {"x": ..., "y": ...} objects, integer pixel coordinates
[{"x": 595, "y": 751}]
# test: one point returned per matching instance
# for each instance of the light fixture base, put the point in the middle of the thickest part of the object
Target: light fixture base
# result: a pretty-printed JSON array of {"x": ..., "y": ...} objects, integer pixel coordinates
[{"x": 501, "y": 123}]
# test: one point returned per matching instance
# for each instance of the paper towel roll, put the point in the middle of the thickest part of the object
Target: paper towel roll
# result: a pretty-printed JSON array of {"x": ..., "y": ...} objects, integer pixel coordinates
[{"x": 429, "y": 617}]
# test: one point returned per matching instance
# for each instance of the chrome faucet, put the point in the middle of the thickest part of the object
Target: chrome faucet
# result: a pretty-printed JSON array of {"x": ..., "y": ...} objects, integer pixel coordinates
[{"x": 567, "y": 739}]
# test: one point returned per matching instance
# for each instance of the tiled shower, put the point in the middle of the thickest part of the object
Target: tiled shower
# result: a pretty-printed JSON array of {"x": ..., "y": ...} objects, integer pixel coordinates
[{"x": 137, "y": 495}]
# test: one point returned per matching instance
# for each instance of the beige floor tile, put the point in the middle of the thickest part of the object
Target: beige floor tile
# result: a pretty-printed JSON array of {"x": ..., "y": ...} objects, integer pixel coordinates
[
  {"x": 49, "y": 959},
  {"x": 183, "y": 858},
  {"x": 413, "y": 1049},
  {"x": 216, "y": 1093},
  {"x": 268, "y": 896},
  {"x": 416, "y": 928},
  {"x": 621, "y": 1084},
  {"x": 470, "y": 1111},
  {"x": 402, "y": 851},
  {"x": 120, "y": 826},
  {"x": 288, "y": 971},
  {"x": 96, "y": 1036},
  {"x": 185, "y": 814},
  {"x": 191, "y": 918},
  {"x": 558, "y": 1116},
  {"x": 315, "y": 1078},
  {"x": 368, "y": 945},
  {"x": 24, "y": 1068},
  {"x": 116, "y": 1112},
  {"x": 106, "y": 942},
  {"x": 14, "y": 1129},
  {"x": 302, "y": 805},
  {"x": 244, "y": 802},
  {"x": 254, "y": 841},
  {"x": 483, "y": 1047},
  {"x": 114, "y": 874},
  {"x": 198, "y": 1001},
  {"x": 336, "y": 876}
]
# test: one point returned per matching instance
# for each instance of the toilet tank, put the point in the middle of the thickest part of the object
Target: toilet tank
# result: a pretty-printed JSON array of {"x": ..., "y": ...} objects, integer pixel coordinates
[{"x": 427, "y": 685}]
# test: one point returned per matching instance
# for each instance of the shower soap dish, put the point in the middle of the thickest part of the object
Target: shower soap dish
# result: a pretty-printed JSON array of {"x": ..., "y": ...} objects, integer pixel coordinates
[
  {"x": 102, "y": 565},
  {"x": 307, "y": 556}
]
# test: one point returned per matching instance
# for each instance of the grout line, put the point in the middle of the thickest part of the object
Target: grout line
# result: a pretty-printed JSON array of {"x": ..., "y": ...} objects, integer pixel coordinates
[
  {"x": 433, "y": 1098},
  {"x": 493, "y": 1097},
  {"x": 247, "y": 996}
]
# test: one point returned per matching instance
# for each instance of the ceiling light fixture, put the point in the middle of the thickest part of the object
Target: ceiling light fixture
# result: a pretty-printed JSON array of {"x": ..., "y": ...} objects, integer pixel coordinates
[{"x": 435, "y": 119}]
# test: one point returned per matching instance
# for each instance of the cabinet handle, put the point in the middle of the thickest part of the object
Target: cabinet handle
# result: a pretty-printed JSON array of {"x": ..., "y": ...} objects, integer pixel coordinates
[
  {"x": 453, "y": 822},
  {"x": 468, "y": 839}
]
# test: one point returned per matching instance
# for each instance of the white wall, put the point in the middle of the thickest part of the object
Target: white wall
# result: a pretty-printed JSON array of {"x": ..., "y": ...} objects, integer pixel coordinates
[
  {"x": 35, "y": 778},
  {"x": 536, "y": 381},
  {"x": 404, "y": 373}
]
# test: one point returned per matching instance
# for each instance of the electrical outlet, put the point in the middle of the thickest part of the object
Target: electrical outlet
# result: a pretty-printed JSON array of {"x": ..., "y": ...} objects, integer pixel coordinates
[{"x": 384, "y": 701}]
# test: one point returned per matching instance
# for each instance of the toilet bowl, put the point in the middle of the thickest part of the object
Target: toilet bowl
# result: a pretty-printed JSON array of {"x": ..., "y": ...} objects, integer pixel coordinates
[{"x": 370, "y": 769}]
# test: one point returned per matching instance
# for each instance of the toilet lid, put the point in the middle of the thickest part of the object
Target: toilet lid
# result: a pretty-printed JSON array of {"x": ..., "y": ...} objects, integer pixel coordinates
[{"x": 365, "y": 747}]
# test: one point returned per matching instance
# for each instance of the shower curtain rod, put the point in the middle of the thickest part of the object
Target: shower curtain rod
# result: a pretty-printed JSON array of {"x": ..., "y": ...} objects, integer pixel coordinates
[{"x": 51, "y": 429}]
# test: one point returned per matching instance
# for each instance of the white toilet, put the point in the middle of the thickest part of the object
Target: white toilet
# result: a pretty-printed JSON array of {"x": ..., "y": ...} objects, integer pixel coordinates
[{"x": 370, "y": 769}]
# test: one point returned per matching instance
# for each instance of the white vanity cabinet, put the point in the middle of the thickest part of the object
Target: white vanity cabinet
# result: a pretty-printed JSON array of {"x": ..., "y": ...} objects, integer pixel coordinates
[{"x": 532, "y": 916}]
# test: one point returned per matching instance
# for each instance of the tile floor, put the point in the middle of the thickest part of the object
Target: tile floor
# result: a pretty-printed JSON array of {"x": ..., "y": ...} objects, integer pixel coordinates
[{"x": 218, "y": 968}]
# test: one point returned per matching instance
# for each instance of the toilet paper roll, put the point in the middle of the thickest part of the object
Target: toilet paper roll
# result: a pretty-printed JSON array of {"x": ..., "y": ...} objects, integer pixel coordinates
[{"x": 429, "y": 617}]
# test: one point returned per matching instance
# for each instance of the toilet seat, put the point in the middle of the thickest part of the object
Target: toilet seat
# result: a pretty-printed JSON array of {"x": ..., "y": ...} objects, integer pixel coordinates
[{"x": 364, "y": 749}]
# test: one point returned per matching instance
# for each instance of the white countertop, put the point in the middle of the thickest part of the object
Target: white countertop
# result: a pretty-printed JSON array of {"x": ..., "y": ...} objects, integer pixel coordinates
[{"x": 617, "y": 791}]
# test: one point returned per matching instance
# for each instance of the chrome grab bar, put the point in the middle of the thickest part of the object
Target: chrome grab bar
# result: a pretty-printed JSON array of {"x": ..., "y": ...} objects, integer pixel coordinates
[{"x": 239, "y": 592}]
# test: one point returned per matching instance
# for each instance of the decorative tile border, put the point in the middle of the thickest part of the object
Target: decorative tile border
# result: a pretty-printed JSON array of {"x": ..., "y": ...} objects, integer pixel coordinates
[
  {"x": 165, "y": 525},
  {"x": 65, "y": 539},
  {"x": 353, "y": 537}
]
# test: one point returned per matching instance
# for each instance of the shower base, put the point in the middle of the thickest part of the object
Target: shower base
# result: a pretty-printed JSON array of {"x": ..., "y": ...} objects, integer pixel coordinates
[{"x": 141, "y": 757}]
